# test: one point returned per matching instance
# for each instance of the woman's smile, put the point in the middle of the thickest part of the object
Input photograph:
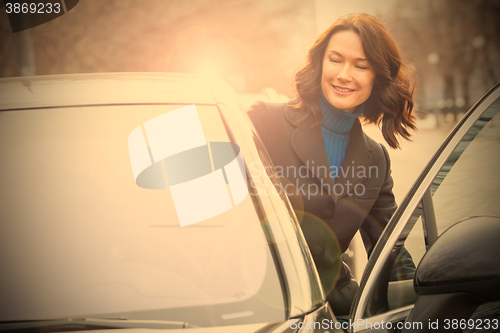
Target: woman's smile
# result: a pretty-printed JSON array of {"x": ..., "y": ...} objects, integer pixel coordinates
[{"x": 342, "y": 90}]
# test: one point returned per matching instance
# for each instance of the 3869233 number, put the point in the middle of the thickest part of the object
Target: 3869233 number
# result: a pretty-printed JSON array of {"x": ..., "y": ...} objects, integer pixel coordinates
[
  {"x": 476, "y": 324},
  {"x": 33, "y": 8}
]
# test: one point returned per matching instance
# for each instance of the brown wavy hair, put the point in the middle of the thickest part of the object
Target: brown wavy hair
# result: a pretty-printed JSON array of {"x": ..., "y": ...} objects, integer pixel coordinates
[{"x": 390, "y": 104}]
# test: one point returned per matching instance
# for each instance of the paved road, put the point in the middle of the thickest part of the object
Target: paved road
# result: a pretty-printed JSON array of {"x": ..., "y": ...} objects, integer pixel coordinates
[{"x": 408, "y": 162}]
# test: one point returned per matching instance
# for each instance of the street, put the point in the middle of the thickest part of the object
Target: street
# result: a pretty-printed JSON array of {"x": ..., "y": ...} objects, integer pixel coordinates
[{"x": 408, "y": 162}]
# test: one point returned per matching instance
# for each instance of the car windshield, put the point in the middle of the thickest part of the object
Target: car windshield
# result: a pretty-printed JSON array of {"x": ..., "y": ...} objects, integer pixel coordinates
[{"x": 133, "y": 211}]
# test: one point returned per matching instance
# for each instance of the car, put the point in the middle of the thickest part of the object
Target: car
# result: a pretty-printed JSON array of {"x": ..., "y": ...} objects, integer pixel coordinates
[
  {"x": 147, "y": 201},
  {"x": 449, "y": 223},
  {"x": 125, "y": 204}
]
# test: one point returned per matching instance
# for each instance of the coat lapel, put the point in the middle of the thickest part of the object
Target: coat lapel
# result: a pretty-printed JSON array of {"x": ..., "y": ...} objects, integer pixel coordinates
[{"x": 307, "y": 142}]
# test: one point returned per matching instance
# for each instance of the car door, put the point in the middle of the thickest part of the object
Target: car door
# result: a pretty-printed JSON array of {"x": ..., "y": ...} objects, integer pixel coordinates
[{"x": 462, "y": 180}]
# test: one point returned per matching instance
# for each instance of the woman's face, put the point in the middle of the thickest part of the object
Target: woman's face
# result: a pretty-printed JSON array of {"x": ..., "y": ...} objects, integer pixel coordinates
[{"x": 347, "y": 78}]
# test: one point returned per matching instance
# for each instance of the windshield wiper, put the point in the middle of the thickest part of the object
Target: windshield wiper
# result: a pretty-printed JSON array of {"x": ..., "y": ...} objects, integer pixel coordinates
[{"x": 97, "y": 323}]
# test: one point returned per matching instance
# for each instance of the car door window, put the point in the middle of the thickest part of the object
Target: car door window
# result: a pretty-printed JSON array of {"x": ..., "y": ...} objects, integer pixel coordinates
[{"x": 467, "y": 184}]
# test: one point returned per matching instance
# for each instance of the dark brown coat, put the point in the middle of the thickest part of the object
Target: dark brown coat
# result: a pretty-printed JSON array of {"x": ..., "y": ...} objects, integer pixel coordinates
[{"x": 360, "y": 200}]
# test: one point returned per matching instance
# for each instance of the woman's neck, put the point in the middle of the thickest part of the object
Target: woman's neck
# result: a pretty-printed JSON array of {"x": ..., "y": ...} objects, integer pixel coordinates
[{"x": 336, "y": 120}]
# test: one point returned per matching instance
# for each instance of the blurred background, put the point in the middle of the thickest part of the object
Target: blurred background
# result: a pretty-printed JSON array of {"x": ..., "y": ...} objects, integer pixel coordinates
[{"x": 257, "y": 45}]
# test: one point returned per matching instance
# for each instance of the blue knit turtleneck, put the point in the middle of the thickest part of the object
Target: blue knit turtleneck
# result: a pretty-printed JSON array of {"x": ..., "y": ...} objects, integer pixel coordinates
[{"x": 335, "y": 127}]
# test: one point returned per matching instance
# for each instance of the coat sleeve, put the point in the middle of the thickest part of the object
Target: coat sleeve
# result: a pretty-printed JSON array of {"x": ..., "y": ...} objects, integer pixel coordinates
[
  {"x": 259, "y": 115},
  {"x": 381, "y": 211},
  {"x": 377, "y": 219}
]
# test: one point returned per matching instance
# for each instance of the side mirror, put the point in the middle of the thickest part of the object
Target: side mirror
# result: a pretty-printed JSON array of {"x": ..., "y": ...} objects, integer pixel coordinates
[{"x": 460, "y": 272}]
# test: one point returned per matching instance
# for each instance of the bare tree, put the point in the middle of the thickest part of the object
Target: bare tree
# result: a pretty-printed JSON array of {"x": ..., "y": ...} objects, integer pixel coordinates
[{"x": 456, "y": 38}]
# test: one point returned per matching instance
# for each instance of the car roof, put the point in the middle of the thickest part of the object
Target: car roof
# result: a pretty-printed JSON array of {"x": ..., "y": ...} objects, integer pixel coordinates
[{"x": 104, "y": 89}]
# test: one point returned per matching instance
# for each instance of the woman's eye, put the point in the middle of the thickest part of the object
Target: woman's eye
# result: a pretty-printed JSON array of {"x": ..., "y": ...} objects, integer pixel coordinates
[
  {"x": 362, "y": 67},
  {"x": 334, "y": 60}
]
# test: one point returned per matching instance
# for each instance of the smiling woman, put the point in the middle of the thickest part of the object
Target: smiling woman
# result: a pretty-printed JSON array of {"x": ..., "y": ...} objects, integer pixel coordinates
[{"x": 353, "y": 70}]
